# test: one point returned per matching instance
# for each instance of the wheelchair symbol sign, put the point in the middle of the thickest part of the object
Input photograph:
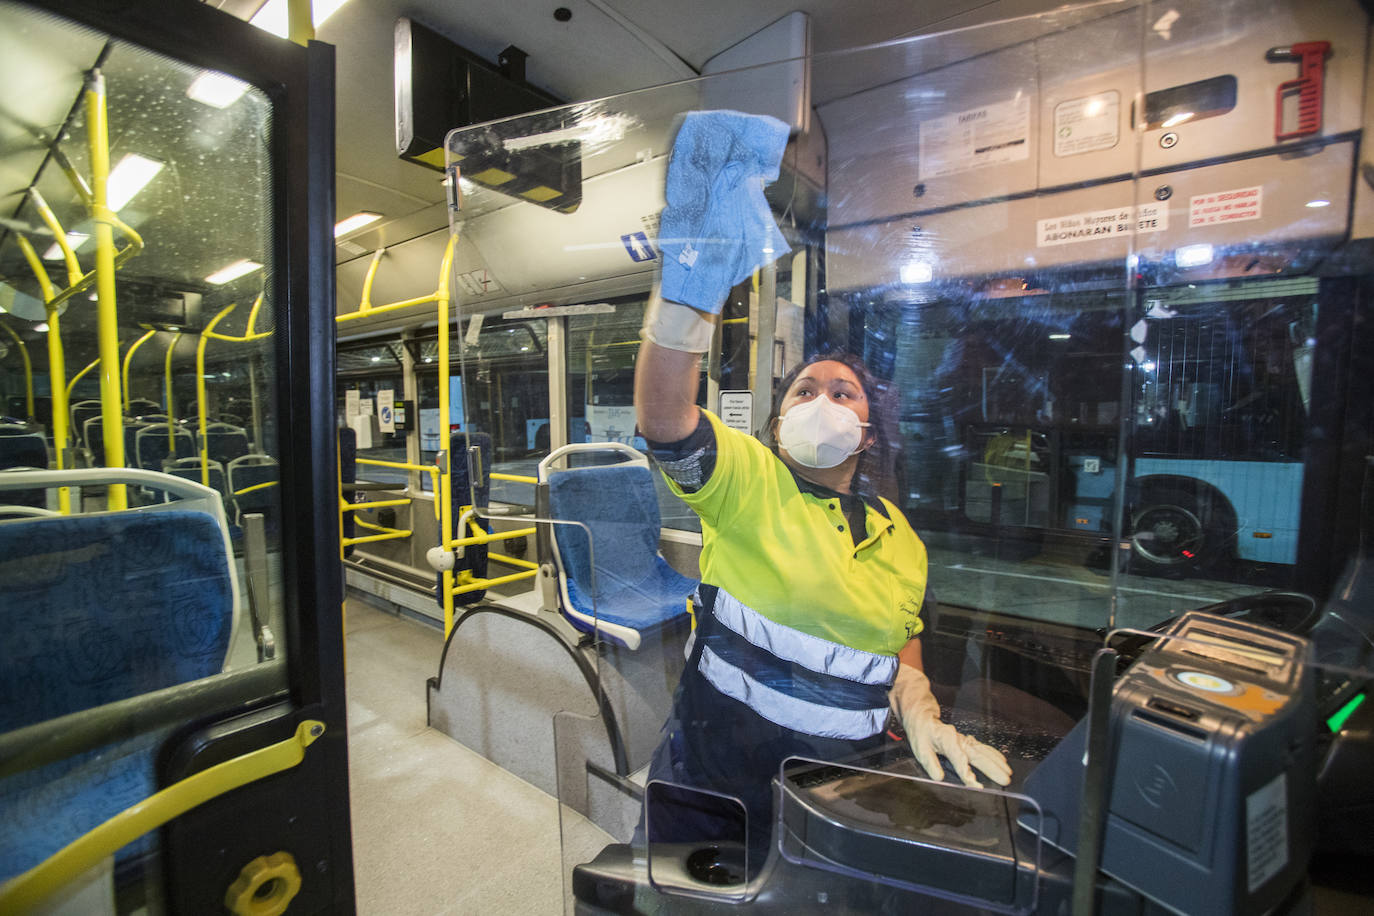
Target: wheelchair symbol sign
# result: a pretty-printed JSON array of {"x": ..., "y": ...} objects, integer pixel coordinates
[
  {"x": 386, "y": 415},
  {"x": 637, "y": 244}
]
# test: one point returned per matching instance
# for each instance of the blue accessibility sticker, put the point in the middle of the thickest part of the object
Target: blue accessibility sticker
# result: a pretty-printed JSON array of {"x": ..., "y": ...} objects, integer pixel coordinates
[{"x": 637, "y": 244}]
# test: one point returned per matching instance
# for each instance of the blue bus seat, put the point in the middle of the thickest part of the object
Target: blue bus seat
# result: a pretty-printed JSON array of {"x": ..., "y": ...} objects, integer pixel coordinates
[
  {"x": 99, "y": 608},
  {"x": 23, "y": 447},
  {"x": 141, "y": 407},
  {"x": 151, "y": 449},
  {"x": 253, "y": 470},
  {"x": 82, "y": 411},
  {"x": 224, "y": 443},
  {"x": 189, "y": 469},
  {"x": 620, "y": 586}
]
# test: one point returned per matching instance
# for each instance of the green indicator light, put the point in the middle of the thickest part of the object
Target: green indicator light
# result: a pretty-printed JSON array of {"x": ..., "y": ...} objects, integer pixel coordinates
[{"x": 1336, "y": 722}]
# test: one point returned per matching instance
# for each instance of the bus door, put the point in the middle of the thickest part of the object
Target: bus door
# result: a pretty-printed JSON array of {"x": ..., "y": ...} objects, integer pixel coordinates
[{"x": 171, "y": 683}]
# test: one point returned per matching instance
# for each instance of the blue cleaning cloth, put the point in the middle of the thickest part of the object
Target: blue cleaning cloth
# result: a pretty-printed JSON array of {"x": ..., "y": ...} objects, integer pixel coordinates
[{"x": 717, "y": 226}]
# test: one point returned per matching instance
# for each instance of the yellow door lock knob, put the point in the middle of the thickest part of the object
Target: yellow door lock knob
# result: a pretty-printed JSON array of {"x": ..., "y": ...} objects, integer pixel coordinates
[{"x": 265, "y": 887}]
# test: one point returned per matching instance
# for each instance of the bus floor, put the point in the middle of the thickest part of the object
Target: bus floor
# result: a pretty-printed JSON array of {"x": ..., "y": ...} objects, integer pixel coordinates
[{"x": 437, "y": 829}]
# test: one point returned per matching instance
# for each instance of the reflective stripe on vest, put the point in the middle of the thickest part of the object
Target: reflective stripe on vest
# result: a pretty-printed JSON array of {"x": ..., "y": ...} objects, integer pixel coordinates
[
  {"x": 812, "y": 652},
  {"x": 787, "y": 711}
]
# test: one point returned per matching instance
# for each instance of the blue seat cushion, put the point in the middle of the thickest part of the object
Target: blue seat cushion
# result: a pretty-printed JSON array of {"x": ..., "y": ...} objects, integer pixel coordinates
[
  {"x": 103, "y": 607},
  {"x": 99, "y": 608},
  {"x": 634, "y": 586}
]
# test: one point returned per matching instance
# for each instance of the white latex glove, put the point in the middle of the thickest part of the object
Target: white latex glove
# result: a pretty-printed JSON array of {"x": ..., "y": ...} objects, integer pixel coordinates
[
  {"x": 678, "y": 327},
  {"x": 919, "y": 712}
]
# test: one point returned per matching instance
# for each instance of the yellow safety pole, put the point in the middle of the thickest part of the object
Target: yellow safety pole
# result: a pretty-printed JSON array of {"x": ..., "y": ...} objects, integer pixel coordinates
[
  {"x": 441, "y": 296},
  {"x": 71, "y": 386},
  {"x": 167, "y": 396},
  {"x": 111, "y": 403},
  {"x": 300, "y": 21},
  {"x": 201, "y": 416},
  {"x": 57, "y": 371},
  {"x": 28, "y": 369},
  {"x": 128, "y": 359},
  {"x": 74, "y": 273},
  {"x": 366, "y": 304}
]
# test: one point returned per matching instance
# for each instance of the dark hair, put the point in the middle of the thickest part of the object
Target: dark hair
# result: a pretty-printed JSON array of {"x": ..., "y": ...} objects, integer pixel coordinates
[{"x": 876, "y": 472}]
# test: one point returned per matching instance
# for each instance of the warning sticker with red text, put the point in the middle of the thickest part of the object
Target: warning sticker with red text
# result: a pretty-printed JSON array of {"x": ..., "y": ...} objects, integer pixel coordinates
[{"x": 1225, "y": 207}]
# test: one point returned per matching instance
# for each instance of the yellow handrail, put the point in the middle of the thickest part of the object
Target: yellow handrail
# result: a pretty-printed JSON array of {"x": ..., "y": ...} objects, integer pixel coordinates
[
  {"x": 257, "y": 486},
  {"x": 207, "y": 335},
  {"x": 378, "y": 504},
  {"x": 128, "y": 360},
  {"x": 57, "y": 370},
  {"x": 107, "y": 317},
  {"x": 368, "y": 539},
  {"x": 389, "y": 307},
  {"x": 477, "y": 584},
  {"x": 366, "y": 304},
  {"x": 300, "y": 21},
  {"x": 28, "y": 890},
  {"x": 28, "y": 368},
  {"x": 71, "y": 386},
  {"x": 167, "y": 396},
  {"x": 74, "y": 273},
  {"x": 515, "y": 478},
  {"x": 77, "y": 282},
  {"x": 483, "y": 537},
  {"x": 363, "y": 523},
  {"x": 443, "y": 490},
  {"x": 201, "y": 416},
  {"x": 429, "y": 469}
]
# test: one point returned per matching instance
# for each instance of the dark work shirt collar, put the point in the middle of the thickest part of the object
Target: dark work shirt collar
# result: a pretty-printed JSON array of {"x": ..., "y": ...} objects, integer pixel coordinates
[{"x": 824, "y": 492}]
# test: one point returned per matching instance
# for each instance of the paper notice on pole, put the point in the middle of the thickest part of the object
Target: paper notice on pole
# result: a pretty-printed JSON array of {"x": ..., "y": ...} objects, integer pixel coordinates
[
  {"x": 474, "y": 330},
  {"x": 1099, "y": 224},
  {"x": 1088, "y": 124},
  {"x": 386, "y": 421},
  {"x": 362, "y": 429},
  {"x": 365, "y": 407},
  {"x": 1232, "y": 206},
  {"x": 737, "y": 410},
  {"x": 991, "y": 135},
  {"x": 351, "y": 397}
]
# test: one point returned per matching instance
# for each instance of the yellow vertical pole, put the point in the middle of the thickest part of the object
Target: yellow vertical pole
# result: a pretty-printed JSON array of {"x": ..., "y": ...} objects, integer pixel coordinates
[
  {"x": 445, "y": 495},
  {"x": 128, "y": 360},
  {"x": 111, "y": 408},
  {"x": 300, "y": 21},
  {"x": 201, "y": 413},
  {"x": 57, "y": 371},
  {"x": 167, "y": 396}
]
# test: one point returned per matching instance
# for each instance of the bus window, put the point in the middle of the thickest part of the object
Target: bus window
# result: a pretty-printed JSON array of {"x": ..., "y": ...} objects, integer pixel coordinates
[
  {"x": 1019, "y": 412},
  {"x": 499, "y": 386},
  {"x": 601, "y": 357},
  {"x": 370, "y": 371}
]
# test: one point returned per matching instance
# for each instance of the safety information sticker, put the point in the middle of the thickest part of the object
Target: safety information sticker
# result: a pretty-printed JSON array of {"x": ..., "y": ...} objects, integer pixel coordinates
[
  {"x": 1098, "y": 224},
  {"x": 1225, "y": 206},
  {"x": 737, "y": 410},
  {"x": 971, "y": 139},
  {"x": 1266, "y": 831},
  {"x": 1088, "y": 124}
]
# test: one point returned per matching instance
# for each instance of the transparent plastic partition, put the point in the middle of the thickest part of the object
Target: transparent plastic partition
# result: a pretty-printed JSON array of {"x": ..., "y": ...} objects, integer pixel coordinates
[{"x": 1078, "y": 254}]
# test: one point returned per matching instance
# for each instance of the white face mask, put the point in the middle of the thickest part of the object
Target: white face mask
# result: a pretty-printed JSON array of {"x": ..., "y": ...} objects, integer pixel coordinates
[{"x": 820, "y": 433}]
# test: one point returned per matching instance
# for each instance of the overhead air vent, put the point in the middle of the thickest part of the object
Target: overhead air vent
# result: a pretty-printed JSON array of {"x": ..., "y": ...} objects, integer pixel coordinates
[{"x": 441, "y": 86}]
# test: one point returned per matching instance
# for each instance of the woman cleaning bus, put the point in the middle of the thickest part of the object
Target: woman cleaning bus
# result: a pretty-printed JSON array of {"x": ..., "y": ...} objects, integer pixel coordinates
[{"x": 812, "y": 585}]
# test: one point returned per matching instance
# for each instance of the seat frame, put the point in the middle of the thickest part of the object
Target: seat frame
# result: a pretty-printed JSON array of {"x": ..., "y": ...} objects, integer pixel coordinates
[{"x": 549, "y": 465}]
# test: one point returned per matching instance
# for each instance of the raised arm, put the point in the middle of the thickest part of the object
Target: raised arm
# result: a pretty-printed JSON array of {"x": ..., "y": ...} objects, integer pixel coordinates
[{"x": 668, "y": 369}]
